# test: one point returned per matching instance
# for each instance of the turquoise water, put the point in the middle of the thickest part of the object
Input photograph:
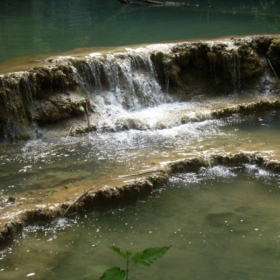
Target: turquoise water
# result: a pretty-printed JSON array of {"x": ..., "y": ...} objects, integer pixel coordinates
[
  {"x": 222, "y": 223},
  {"x": 34, "y": 27}
]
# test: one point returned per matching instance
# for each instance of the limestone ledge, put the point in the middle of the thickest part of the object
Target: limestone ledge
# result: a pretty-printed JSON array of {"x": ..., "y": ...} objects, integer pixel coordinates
[
  {"x": 61, "y": 89},
  {"x": 140, "y": 186}
]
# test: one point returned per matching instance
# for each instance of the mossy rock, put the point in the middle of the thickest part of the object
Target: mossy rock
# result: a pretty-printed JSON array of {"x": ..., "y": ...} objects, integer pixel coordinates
[{"x": 273, "y": 54}]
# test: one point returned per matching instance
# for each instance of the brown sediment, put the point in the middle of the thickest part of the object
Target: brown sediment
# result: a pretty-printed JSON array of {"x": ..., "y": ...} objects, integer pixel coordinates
[{"x": 138, "y": 187}]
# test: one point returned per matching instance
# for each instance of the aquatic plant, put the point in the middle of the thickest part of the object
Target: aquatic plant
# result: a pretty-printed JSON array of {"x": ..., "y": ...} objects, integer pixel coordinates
[{"x": 144, "y": 259}]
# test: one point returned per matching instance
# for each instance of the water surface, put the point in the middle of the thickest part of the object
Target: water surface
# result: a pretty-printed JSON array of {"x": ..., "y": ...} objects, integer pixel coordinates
[
  {"x": 222, "y": 223},
  {"x": 35, "y": 27}
]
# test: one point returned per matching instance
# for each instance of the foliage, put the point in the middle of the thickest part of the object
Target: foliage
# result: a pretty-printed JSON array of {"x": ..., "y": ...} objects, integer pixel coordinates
[
  {"x": 266, "y": 4},
  {"x": 113, "y": 273},
  {"x": 144, "y": 259}
]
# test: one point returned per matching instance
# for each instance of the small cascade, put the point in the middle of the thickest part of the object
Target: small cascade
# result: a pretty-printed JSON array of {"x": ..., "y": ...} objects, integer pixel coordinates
[
  {"x": 129, "y": 89},
  {"x": 234, "y": 68},
  {"x": 82, "y": 79},
  {"x": 96, "y": 71},
  {"x": 166, "y": 76},
  {"x": 121, "y": 88},
  {"x": 131, "y": 78},
  {"x": 26, "y": 89}
]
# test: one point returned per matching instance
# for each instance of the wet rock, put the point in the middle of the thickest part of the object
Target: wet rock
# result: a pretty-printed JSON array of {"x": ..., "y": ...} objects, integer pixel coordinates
[
  {"x": 48, "y": 94},
  {"x": 273, "y": 55},
  {"x": 58, "y": 107},
  {"x": 6, "y": 201},
  {"x": 11, "y": 200},
  {"x": 247, "y": 109},
  {"x": 214, "y": 67},
  {"x": 129, "y": 123},
  {"x": 261, "y": 43},
  {"x": 272, "y": 165},
  {"x": 22, "y": 92}
]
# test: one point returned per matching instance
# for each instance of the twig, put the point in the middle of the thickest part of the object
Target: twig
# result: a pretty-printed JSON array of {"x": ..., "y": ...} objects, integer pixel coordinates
[
  {"x": 154, "y": 171},
  {"x": 273, "y": 70},
  {"x": 70, "y": 131},
  {"x": 177, "y": 176},
  {"x": 142, "y": 173},
  {"x": 79, "y": 198}
]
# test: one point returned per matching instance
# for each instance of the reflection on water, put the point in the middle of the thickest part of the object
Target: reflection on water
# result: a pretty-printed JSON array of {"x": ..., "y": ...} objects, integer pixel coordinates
[
  {"x": 39, "y": 27},
  {"x": 222, "y": 223}
]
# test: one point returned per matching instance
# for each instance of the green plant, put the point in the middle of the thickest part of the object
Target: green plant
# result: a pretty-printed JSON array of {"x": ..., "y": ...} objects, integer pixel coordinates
[{"x": 144, "y": 259}]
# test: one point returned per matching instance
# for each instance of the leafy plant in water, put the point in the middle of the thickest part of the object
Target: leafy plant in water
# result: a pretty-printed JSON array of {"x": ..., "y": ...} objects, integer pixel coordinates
[{"x": 143, "y": 259}]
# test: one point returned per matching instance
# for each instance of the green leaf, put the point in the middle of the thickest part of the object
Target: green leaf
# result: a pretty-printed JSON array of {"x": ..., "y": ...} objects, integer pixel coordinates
[
  {"x": 148, "y": 256},
  {"x": 119, "y": 251},
  {"x": 113, "y": 273}
]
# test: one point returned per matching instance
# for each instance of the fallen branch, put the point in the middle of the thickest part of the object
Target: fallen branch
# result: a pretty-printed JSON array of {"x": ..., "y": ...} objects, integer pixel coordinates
[
  {"x": 70, "y": 131},
  {"x": 277, "y": 78},
  {"x": 142, "y": 173},
  {"x": 154, "y": 171},
  {"x": 78, "y": 199}
]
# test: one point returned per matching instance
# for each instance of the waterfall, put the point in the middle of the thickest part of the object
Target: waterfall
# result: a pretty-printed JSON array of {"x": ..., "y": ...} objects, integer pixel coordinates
[
  {"x": 121, "y": 90},
  {"x": 234, "y": 68},
  {"x": 132, "y": 79}
]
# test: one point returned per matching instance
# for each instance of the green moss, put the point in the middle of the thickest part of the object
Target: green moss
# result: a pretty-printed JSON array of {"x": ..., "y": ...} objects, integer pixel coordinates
[
  {"x": 212, "y": 57},
  {"x": 187, "y": 54},
  {"x": 160, "y": 55}
]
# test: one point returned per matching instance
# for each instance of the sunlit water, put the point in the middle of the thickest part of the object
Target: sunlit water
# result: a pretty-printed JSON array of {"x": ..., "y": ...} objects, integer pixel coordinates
[
  {"x": 222, "y": 223},
  {"x": 98, "y": 157},
  {"x": 42, "y": 27}
]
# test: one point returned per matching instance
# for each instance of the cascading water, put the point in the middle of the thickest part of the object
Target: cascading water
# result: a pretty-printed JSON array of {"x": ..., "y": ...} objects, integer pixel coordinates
[
  {"x": 234, "y": 66},
  {"x": 120, "y": 88}
]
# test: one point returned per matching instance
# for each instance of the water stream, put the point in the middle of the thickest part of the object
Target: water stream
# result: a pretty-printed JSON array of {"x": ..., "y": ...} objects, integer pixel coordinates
[
  {"x": 222, "y": 223},
  {"x": 49, "y": 163}
]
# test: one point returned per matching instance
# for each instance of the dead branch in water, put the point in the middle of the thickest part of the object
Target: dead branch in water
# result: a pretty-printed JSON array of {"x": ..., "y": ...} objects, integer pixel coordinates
[
  {"x": 70, "y": 131},
  {"x": 77, "y": 200},
  {"x": 271, "y": 66},
  {"x": 154, "y": 171}
]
